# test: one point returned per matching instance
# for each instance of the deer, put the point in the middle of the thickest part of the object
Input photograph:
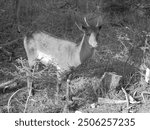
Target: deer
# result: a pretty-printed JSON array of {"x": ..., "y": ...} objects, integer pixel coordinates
[{"x": 63, "y": 54}]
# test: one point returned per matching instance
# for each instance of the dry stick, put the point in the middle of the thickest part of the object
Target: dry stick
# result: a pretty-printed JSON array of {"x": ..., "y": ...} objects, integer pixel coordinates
[
  {"x": 8, "y": 104},
  {"x": 18, "y": 4},
  {"x": 9, "y": 43},
  {"x": 111, "y": 101},
  {"x": 129, "y": 81},
  {"x": 127, "y": 98},
  {"x": 29, "y": 86},
  {"x": 8, "y": 83},
  {"x": 29, "y": 90},
  {"x": 102, "y": 77}
]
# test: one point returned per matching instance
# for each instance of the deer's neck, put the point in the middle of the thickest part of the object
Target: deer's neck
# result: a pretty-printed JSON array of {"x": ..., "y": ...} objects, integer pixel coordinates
[{"x": 86, "y": 51}]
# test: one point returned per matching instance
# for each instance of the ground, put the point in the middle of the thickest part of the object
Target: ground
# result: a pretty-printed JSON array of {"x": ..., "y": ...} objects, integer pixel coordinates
[{"x": 112, "y": 74}]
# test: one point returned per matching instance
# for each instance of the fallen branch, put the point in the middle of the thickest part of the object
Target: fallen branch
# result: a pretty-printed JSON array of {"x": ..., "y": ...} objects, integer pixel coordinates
[
  {"x": 127, "y": 97},
  {"x": 9, "y": 43},
  {"x": 8, "y": 104},
  {"x": 112, "y": 101},
  {"x": 3, "y": 85},
  {"x": 29, "y": 95}
]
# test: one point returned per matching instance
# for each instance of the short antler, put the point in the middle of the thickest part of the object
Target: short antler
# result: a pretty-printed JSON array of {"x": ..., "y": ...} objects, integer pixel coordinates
[
  {"x": 97, "y": 24},
  {"x": 86, "y": 22},
  {"x": 99, "y": 19},
  {"x": 79, "y": 27}
]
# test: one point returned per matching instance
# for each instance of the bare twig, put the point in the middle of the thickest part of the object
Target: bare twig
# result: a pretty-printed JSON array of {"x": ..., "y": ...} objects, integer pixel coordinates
[
  {"x": 29, "y": 86},
  {"x": 127, "y": 98},
  {"x": 8, "y": 104},
  {"x": 129, "y": 81},
  {"x": 8, "y": 83},
  {"x": 10, "y": 43},
  {"x": 111, "y": 101},
  {"x": 26, "y": 105}
]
